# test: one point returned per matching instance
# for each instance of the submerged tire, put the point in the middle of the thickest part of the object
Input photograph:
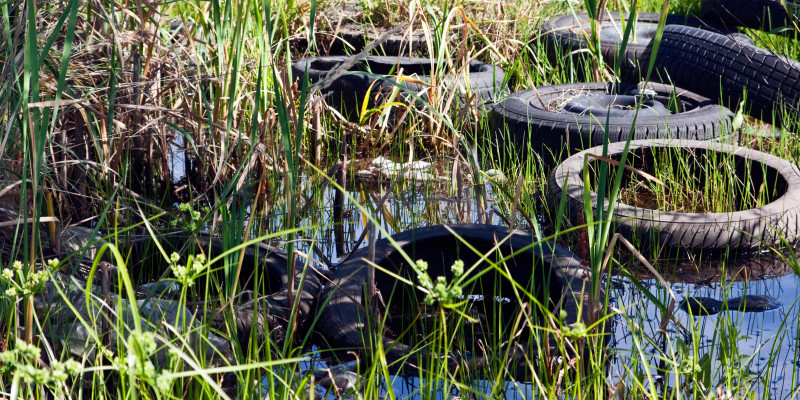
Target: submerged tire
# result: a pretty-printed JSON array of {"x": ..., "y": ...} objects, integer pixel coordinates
[
  {"x": 345, "y": 326},
  {"x": 269, "y": 316},
  {"x": 701, "y": 306},
  {"x": 727, "y": 69},
  {"x": 346, "y": 92},
  {"x": 767, "y": 15},
  {"x": 271, "y": 310},
  {"x": 549, "y": 119},
  {"x": 77, "y": 319},
  {"x": 565, "y": 35},
  {"x": 695, "y": 233}
]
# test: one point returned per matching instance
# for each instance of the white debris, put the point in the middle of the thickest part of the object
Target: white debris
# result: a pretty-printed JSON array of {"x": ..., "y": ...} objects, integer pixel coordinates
[
  {"x": 496, "y": 175},
  {"x": 418, "y": 166},
  {"x": 384, "y": 163},
  {"x": 389, "y": 169},
  {"x": 366, "y": 173}
]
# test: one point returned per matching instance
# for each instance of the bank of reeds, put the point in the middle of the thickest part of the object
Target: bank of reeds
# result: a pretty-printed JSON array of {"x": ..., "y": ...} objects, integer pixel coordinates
[{"x": 135, "y": 119}]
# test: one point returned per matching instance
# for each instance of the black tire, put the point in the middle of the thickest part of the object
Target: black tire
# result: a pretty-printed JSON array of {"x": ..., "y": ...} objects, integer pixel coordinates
[
  {"x": 706, "y": 233},
  {"x": 272, "y": 309},
  {"x": 354, "y": 37},
  {"x": 73, "y": 321},
  {"x": 564, "y": 35},
  {"x": 728, "y": 68},
  {"x": 345, "y": 327},
  {"x": 527, "y": 119},
  {"x": 354, "y": 33},
  {"x": 346, "y": 92},
  {"x": 273, "y": 312},
  {"x": 766, "y": 15}
]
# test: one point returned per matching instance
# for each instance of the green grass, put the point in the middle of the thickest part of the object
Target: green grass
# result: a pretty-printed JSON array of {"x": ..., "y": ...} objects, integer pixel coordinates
[
  {"x": 90, "y": 103},
  {"x": 689, "y": 181}
]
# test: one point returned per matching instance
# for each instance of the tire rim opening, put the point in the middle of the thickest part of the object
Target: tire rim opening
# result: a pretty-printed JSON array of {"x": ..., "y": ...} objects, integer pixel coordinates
[{"x": 696, "y": 181}]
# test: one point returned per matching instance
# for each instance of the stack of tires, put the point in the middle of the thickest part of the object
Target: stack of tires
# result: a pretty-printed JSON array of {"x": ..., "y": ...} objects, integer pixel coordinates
[
  {"x": 565, "y": 38},
  {"x": 703, "y": 66},
  {"x": 729, "y": 70},
  {"x": 708, "y": 57},
  {"x": 355, "y": 84},
  {"x": 699, "y": 65}
]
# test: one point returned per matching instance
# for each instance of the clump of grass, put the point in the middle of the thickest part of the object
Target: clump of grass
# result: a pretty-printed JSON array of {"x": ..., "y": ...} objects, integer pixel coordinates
[{"x": 697, "y": 181}]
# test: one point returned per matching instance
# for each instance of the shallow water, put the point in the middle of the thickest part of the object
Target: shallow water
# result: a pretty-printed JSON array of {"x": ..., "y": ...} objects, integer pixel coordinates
[
  {"x": 419, "y": 205},
  {"x": 765, "y": 343}
]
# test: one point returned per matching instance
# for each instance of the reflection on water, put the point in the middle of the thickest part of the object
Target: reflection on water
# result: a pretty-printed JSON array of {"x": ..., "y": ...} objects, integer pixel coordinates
[
  {"x": 416, "y": 206},
  {"x": 763, "y": 343}
]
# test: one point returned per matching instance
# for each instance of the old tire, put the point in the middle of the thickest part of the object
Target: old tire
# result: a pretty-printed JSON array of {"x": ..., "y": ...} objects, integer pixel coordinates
[
  {"x": 74, "y": 319},
  {"x": 345, "y": 321},
  {"x": 346, "y": 92},
  {"x": 728, "y": 68},
  {"x": 564, "y": 36},
  {"x": 353, "y": 38},
  {"x": 766, "y": 15},
  {"x": 706, "y": 233},
  {"x": 531, "y": 120},
  {"x": 348, "y": 32},
  {"x": 271, "y": 310}
]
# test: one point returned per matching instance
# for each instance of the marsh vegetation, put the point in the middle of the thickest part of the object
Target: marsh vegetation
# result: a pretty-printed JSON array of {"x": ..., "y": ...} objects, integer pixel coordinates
[{"x": 174, "y": 201}]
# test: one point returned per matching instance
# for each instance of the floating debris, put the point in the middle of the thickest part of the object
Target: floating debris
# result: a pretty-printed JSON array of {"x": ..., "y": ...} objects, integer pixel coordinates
[{"x": 385, "y": 168}]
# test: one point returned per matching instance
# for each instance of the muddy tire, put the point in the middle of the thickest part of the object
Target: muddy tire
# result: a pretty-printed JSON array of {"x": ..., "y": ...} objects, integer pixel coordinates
[
  {"x": 767, "y": 15},
  {"x": 347, "y": 91},
  {"x": 572, "y": 117},
  {"x": 271, "y": 311},
  {"x": 564, "y": 36},
  {"x": 695, "y": 233},
  {"x": 345, "y": 326},
  {"x": 728, "y": 68}
]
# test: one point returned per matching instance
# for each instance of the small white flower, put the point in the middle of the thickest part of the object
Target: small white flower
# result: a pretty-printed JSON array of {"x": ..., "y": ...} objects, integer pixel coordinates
[
  {"x": 458, "y": 268},
  {"x": 163, "y": 383},
  {"x": 149, "y": 369},
  {"x": 72, "y": 367},
  {"x": 197, "y": 267},
  {"x": 58, "y": 375}
]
